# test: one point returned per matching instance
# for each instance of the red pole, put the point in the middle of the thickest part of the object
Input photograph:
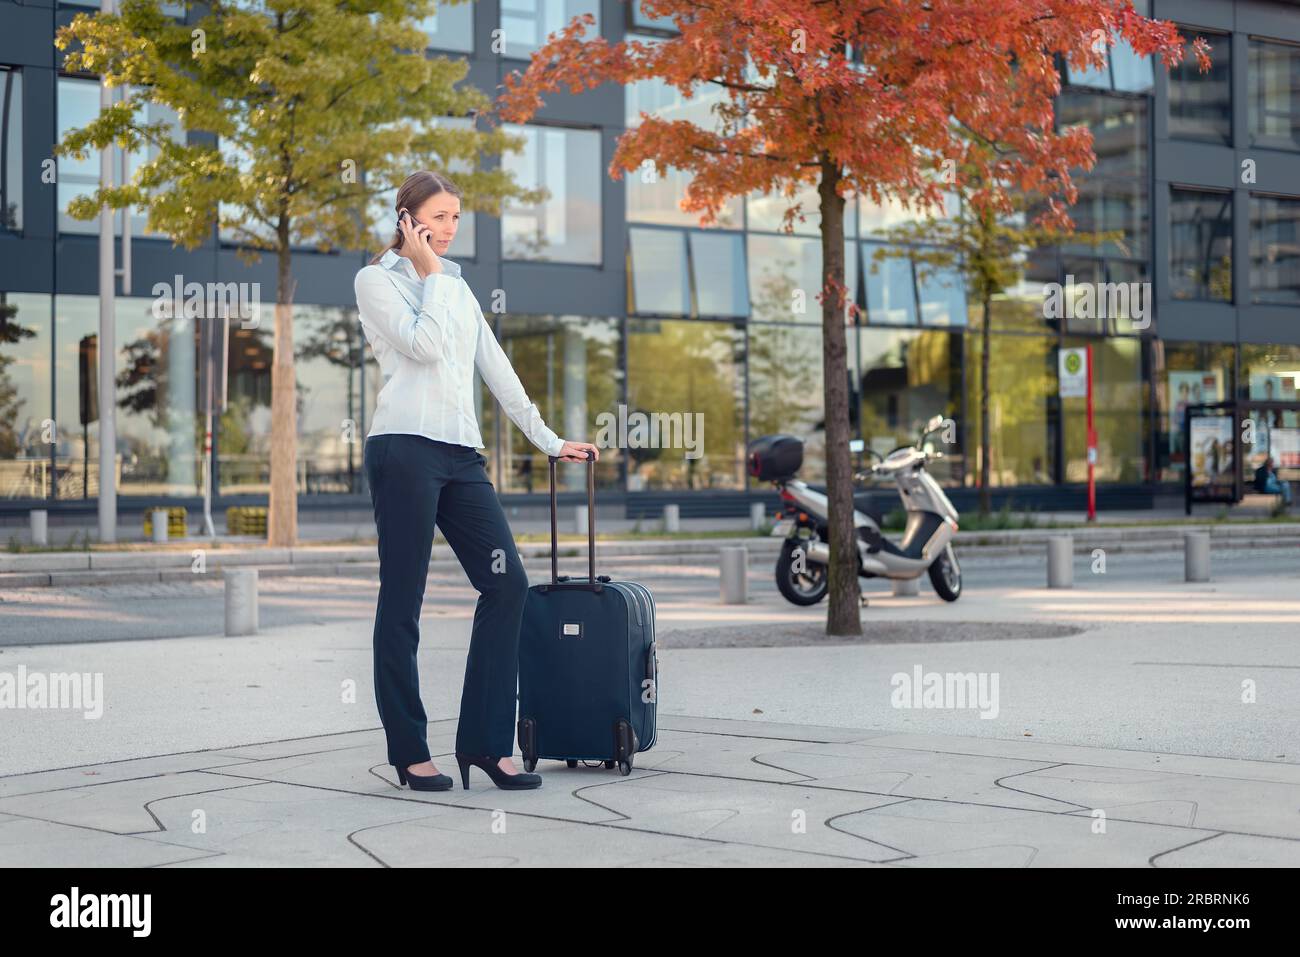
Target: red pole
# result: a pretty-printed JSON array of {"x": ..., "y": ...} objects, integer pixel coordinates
[{"x": 1092, "y": 449}]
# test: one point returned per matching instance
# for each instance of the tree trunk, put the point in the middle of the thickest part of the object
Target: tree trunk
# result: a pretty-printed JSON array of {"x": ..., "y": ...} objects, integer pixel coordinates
[
  {"x": 843, "y": 617},
  {"x": 282, "y": 512},
  {"x": 986, "y": 496}
]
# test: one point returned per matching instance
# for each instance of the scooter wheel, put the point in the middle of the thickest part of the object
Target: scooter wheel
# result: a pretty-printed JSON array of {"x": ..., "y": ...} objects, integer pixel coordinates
[
  {"x": 806, "y": 587},
  {"x": 945, "y": 575}
]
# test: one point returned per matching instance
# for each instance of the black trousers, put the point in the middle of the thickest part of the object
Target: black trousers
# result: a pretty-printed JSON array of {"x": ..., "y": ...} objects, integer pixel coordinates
[{"x": 415, "y": 483}]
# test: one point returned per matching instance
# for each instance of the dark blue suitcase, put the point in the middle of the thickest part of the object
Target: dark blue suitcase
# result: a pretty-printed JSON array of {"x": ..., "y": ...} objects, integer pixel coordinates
[{"x": 588, "y": 672}]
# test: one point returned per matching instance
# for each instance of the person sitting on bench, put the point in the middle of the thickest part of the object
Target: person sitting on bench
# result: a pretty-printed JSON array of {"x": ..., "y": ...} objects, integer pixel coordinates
[{"x": 1266, "y": 480}]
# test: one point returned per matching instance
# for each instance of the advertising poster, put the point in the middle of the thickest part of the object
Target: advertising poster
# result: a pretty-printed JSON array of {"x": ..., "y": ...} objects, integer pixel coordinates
[
  {"x": 1285, "y": 448},
  {"x": 1197, "y": 387},
  {"x": 1272, "y": 388},
  {"x": 1211, "y": 459}
]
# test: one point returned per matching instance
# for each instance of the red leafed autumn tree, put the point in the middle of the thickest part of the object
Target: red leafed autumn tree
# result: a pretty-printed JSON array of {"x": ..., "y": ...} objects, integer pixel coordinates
[{"x": 896, "y": 119}]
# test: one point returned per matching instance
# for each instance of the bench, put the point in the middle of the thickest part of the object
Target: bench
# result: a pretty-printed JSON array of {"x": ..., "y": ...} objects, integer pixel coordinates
[{"x": 1266, "y": 502}]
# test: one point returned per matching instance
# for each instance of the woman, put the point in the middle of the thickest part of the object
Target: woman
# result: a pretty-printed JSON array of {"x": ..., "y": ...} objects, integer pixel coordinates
[{"x": 428, "y": 333}]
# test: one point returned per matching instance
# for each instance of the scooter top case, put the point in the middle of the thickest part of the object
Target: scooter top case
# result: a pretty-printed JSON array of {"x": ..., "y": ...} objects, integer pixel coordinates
[
  {"x": 770, "y": 458},
  {"x": 588, "y": 672}
]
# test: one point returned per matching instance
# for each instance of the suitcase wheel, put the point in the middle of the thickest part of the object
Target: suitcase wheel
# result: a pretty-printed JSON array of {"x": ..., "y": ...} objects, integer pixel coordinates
[
  {"x": 571, "y": 763},
  {"x": 609, "y": 764},
  {"x": 530, "y": 764},
  {"x": 625, "y": 768}
]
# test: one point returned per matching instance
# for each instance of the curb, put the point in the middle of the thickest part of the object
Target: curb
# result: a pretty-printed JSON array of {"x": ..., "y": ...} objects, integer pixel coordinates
[{"x": 73, "y": 570}]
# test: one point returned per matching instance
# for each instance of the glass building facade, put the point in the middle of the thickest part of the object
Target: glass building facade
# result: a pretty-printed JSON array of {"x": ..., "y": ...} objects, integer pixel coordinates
[{"x": 617, "y": 307}]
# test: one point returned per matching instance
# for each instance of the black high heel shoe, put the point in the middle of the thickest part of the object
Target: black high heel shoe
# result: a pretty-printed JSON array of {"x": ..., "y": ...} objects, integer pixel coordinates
[
  {"x": 424, "y": 782},
  {"x": 502, "y": 779}
]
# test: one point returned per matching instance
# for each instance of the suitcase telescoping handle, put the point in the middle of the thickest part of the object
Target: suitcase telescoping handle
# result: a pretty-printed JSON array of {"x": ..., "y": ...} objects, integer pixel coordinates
[{"x": 591, "y": 584}]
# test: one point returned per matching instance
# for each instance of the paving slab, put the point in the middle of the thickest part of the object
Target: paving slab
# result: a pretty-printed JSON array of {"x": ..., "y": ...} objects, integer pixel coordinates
[
  {"x": 28, "y": 842},
  {"x": 282, "y": 825},
  {"x": 1241, "y": 850},
  {"x": 118, "y": 807},
  {"x": 947, "y": 834}
]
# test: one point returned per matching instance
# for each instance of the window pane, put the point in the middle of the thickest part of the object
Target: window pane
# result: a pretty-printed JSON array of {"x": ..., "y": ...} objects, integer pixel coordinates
[
  {"x": 76, "y": 328},
  {"x": 889, "y": 213},
  {"x": 78, "y": 106},
  {"x": 244, "y": 437},
  {"x": 1019, "y": 307},
  {"x": 1271, "y": 373},
  {"x": 642, "y": 19},
  {"x": 1132, "y": 73},
  {"x": 328, "y": 347},
  {"x": 786, "y": 390},
  {"x": 1080, "y": 281},
  {"x": 1093, "y": 77},
  {"x": 907, "y": 377},
  {"x": 942, "y": 292},
  {"x": 11, "y": 149},
  {"x": 24, "y": 395},
  {"x": 1136, "y": 312},
  {"x": 153, "y": 113},
  {"x": 156, "y": 371},
  {"x": 652, "y": 196},
  {"x": 891, "y": 297},
  {"x": 718, "y": 266},
  {"x": 1274, "y": 95},
  {"x": 525, "y": 24},
  {"x": 566, "y": 227},
  {"x": 157, "y": 385},
  {"x": 659, "y": 272},
  {"x": 1119, "y": 401},
  {"x": 1113, "y": 194},
  {"x": 569, "y": 366},
  {"x": 1200, "y": 244},
  {"x": 1124, "y": 69},
  {"x": 1191, "y": 373},
  {"x": 767, "y": 210},
  {"x": 1275, "y": 249},
  {"x": 785, "y": 278},
  {"x": 685, "y": 385},
  {"x": 451, "y": 26},
  {"x": 1200, "y": 104},
  {"x": 1022, "y": 377}
]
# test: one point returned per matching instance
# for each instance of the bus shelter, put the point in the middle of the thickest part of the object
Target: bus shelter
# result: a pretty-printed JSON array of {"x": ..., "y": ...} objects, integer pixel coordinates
[{"x": 1226, "y": 442}]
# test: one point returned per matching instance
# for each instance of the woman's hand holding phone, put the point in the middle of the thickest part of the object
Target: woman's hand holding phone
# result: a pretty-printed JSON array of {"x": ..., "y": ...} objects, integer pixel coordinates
[{"x": 417, "y": 245}]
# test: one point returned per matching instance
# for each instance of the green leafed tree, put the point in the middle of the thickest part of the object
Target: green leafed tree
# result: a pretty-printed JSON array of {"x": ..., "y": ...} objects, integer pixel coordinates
[
  {"x": 987, "y": 244},
  {"x": 297, "y": 114}
]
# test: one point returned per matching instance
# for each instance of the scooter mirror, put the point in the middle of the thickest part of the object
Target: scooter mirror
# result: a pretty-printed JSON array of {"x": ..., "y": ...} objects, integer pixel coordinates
[{"x": 934, "y": 424}]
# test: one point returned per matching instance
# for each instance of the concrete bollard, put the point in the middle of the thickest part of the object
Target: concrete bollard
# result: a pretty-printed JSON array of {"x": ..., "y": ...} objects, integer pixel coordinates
[
  {"x": 672, "y": 518},
  {"x": 906, "y": 586},
  {"x": 1196, "y": 556},
  {"x": 1060, "y": 561},
  {"x": 159, "y": 521},
  {"x": 580, "y": 519},
  {"x": 757, "y": 515},
  {"x": 241, "y": 600},
  {"x": 40, "y": 526},
  {"x": 735, "y": 583}
]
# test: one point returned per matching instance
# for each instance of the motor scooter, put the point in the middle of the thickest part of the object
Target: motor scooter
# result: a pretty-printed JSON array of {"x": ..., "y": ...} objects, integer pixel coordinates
[{"x": 926, "y": 542}]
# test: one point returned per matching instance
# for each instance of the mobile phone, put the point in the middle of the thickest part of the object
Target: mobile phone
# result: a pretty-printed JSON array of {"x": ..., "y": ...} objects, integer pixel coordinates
[{"x": 402, "y": 213}]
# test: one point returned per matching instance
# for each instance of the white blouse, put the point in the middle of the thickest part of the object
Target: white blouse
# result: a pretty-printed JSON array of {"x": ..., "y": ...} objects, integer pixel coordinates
[{"x": 428, "y": 335}]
